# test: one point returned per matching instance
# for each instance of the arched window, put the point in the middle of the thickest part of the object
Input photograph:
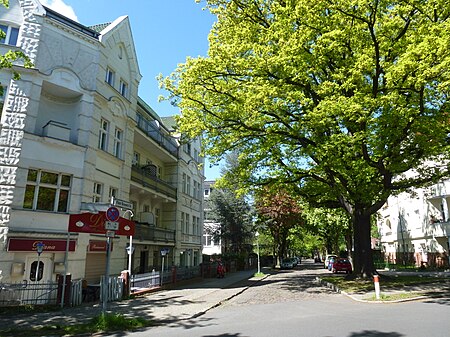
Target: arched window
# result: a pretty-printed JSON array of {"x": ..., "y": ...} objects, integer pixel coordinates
[{"x": 33, "y": 271}]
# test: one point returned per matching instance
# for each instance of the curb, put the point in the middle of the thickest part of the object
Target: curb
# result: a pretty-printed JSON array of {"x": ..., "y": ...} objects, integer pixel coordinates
[
  {"x": 336, "y": 289},
  {"x": 198, "y": 314}
]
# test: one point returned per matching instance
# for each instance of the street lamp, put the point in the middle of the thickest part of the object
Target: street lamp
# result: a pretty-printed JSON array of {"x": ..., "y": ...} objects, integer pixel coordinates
[{"x": 257, "y": 250}]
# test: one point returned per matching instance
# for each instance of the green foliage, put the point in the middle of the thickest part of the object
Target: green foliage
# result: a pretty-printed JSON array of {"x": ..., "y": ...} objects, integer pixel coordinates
[
  {"x": 345, "y": 100},
  {"x": 11, "y": 58}
]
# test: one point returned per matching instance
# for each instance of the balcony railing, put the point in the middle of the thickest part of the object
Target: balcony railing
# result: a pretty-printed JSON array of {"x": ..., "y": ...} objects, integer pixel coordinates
[
  {"x": 147, "y": 179},
  {"x": 152, "y": 130},
  {"x": 149, "y": 233}
]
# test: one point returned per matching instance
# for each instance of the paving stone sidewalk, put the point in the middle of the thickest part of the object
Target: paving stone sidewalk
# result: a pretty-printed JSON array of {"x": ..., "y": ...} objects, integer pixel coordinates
[{"x": 162, "y": 306}]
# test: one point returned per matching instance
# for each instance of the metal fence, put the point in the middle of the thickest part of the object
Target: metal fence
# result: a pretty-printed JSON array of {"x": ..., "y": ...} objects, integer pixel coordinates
[
  {"x": 114, "y": 291},
  {"x": 145, "y": 281},
  {"x": 23, "y": 293}
]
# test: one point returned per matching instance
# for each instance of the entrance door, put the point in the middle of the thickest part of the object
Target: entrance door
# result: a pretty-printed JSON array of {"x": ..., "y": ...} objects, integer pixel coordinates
[{"x": 38, "y": 276}]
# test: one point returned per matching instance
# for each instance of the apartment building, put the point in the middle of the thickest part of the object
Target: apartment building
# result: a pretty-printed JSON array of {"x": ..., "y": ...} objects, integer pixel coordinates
[
  {"x": 415, "y": 227},
  {"x": 76, "y": 139}
]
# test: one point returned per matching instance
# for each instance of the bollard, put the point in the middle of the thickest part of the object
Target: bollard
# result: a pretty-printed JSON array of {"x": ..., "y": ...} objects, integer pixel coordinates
[{"x": 376, "y": 281}]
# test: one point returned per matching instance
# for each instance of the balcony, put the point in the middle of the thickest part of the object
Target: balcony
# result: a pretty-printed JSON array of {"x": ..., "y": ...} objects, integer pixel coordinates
[
  {"x": 145, "y": 232},
  {"x": 152, "y": 130},
  {"x": 147, "y": 178}
]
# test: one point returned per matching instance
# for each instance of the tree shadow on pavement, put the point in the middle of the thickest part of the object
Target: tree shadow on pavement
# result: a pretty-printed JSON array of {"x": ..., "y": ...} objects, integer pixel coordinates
[{"x": 373, "y": 333}]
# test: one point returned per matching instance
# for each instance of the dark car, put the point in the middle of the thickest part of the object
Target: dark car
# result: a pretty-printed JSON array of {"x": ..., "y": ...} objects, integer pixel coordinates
[{"x": 341, "y": 264}]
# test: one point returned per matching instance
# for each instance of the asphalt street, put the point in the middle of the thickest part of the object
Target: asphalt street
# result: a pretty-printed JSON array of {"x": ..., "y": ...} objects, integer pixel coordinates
[{"x": 293, "y": 303}]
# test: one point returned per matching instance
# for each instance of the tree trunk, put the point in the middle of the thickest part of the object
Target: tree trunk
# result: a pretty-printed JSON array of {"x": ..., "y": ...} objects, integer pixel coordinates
[{"x": 362, "y": 257}]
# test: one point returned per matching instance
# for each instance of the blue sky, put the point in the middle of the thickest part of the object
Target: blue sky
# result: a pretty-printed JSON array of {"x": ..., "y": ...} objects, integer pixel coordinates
[{"x": 165, "y": 32}]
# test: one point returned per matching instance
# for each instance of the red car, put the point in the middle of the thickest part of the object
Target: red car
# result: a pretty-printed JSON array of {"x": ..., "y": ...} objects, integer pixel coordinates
[{"x": 342, "y": 264}]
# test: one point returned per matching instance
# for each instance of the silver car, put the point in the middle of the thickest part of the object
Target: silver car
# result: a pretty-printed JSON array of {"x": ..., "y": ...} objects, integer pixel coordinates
[{"x": 289, "y": 263}]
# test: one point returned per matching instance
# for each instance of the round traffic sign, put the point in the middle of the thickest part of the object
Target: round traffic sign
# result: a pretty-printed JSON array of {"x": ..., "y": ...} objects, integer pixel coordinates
[{"x": 112, "y": 214}]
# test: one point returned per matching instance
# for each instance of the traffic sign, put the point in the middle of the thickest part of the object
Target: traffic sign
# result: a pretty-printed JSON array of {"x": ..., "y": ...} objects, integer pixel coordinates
[
  {"x": 111, "y": 225},
  {"x": 113, "y": 214},
  {"x": 165, "y": 251},
  {"x": 110, "y": 234}
]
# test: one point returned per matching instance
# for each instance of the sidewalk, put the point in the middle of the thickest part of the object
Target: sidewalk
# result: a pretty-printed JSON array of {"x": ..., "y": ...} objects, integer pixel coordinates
[{"x": 163, "y": 306}]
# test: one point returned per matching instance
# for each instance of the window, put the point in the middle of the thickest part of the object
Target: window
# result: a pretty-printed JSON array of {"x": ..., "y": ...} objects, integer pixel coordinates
[
  {"x": 123, "y": 88},
  {"x": 187, "y": 224},
  {"x": 195, "y": 189},
  {"x": 11, "y": 35},
  {"x": 103, "y": 135},
  {"x": 39, "y": 273},
  {"x": 2, "y": 97},
  {"x": 183, "y": 229},
  {"x": 136, "y": 159},
  {"x": 184, "y": 182},
  {"x": 47, "y": 191},
  {"x": 118, "y": 135},
  {"x": 110, "y": 74},
  {"x": 97, "y": 193},
  {"x": 206, "y": 192},
  {"x": 113, "y": 192},
  {"x": 188, "y": 185},
  {"x": 157, "y": 216}
]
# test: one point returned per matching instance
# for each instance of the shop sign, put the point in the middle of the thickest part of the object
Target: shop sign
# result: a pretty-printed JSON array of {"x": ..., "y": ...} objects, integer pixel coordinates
[
  {"x": 30, "y": 245},
  {"x": 94, "y": 223},
  {"x": 98, "y": 246}
]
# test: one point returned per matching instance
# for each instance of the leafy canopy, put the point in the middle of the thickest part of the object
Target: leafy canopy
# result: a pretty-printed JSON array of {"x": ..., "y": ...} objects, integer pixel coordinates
[{"x": 346, "y": 99}]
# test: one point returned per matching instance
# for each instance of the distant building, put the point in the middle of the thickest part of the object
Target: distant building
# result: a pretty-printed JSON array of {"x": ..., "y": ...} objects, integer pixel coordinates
[{"x": 211, "y": 245}]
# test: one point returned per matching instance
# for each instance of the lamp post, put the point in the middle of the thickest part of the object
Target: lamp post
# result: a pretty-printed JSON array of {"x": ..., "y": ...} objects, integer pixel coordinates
[
  {"x": 257, "y": 250},
  {"x": 39, "y": 249}
]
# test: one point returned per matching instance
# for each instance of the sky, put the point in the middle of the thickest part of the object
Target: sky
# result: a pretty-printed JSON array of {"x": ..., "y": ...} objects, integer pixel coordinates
[{"x": 165, "y": 32}]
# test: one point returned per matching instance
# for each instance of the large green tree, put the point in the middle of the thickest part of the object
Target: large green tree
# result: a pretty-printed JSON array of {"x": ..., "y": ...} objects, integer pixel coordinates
[{"x": 345, "y": 100}]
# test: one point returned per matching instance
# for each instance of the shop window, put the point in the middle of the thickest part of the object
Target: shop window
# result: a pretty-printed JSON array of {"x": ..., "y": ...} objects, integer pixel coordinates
[{"x": 47, "y": 191}]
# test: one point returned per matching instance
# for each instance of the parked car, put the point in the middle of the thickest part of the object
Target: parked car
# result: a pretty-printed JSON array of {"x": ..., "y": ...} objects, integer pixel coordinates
[
  {"x": 342, "y": 264},
  {"x": 288, "y": 263},
  {"x": 327, "y": 260}
]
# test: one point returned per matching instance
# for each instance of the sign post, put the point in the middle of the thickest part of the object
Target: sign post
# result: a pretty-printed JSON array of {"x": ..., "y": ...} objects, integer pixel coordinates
[
  {"x": 113, "y": 215},
  {"x": 164, "y": 252},
  {"x": 39, "y": 249}
]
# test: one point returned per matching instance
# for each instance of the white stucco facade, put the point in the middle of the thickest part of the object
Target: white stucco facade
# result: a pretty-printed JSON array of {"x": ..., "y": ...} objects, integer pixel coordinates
[{"x": 70, "y": 131}]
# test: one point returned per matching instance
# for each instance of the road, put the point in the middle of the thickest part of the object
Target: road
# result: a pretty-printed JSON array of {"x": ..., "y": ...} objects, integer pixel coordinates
[{"x": 292, "y": 303}]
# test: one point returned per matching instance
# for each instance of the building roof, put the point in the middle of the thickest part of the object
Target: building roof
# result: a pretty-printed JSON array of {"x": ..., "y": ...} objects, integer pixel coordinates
[
  {"x": 71, "y": 23},
  {"x": 99, "y": 27}
]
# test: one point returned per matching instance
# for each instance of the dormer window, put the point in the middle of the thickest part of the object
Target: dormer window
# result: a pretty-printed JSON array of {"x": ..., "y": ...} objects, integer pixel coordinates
[{"x": 11, "y": 35}]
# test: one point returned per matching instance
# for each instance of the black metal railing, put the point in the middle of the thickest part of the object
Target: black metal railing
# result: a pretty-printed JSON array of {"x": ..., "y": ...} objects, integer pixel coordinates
[
  {"x": 148, "y": 179},
  {"x": 152, "y": 130},
  {"x": 147, "y": 232}
]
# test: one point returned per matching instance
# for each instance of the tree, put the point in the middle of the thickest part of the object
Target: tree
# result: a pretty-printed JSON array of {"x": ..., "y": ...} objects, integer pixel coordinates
[
  {"x": 280, "y": 214},
  {"x": 346, "y": 101},
  {"x": 232, "y": 211}
]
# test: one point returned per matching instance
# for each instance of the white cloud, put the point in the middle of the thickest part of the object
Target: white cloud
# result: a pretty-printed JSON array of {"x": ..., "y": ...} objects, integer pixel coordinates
[{"x": 60, "y": 7}]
